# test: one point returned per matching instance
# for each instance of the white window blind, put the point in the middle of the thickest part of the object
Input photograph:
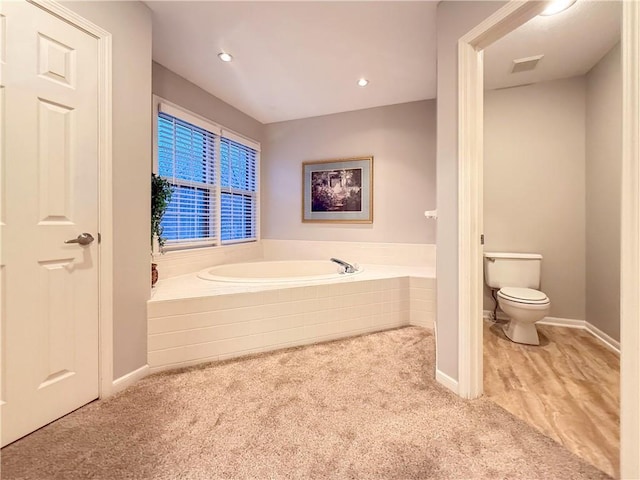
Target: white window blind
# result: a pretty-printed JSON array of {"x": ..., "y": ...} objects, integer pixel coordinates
[
  {"x": 187, "y": 159},
  {"x": 214, "y": 174},
  {"x": 238, "y": 190}
]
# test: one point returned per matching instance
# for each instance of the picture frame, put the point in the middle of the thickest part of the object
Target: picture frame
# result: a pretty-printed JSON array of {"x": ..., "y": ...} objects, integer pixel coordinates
[{"x": 338, "y": 191}]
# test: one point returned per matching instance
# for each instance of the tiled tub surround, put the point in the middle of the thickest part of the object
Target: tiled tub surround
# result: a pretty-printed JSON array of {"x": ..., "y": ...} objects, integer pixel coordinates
[
  {"x": 422, "y": 301},
  {"x": 181, "y": 262},
  {"x": 407, "y": 254},
  {"x": 191, "y": 320},
  {"x": 176, "y": 263}
]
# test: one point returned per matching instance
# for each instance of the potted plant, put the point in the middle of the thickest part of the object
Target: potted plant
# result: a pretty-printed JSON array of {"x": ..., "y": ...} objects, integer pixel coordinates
[{"x": 161, "y": 192}]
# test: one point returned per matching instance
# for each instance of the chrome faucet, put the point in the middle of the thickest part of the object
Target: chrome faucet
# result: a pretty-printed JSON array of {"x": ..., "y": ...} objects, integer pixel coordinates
[{"x": 348, "y": 268}]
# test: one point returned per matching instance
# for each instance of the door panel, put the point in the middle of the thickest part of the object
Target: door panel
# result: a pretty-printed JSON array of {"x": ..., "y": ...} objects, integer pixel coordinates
[{"x": 50, "y": 195}]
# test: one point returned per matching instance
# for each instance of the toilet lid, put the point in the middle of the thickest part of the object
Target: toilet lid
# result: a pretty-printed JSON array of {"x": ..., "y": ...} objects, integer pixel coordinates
[{"x": 523, "y": 295}]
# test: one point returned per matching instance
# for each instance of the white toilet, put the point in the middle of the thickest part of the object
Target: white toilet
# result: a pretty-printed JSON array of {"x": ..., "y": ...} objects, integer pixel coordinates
[{"x": 516, "y": 276}]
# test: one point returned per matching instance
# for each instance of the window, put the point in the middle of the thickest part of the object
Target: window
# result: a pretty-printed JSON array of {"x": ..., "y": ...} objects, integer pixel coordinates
[
  {"x": 214, "y": 174},
  {"x": 186, "y": 157},
  {"x": 238, "y": 190}
]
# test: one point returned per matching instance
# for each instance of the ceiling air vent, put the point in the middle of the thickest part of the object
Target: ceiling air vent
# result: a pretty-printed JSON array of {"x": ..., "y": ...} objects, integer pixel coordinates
[{"x": 526, "y": 64}]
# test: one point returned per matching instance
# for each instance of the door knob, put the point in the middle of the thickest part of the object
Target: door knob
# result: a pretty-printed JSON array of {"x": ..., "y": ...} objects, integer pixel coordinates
[{"x": 82, "y": 239}]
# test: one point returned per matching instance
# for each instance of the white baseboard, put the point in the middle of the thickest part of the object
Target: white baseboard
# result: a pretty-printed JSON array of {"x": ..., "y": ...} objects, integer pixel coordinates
[
  {"x": 129, "y": 379},
  {"x": 609, "y": 342},
  {"x": 563, "y": 322},
  {"x": 441, "y": 377},
  {"x": 612, "y": 343},
  {"x": 444, "y": 379}
]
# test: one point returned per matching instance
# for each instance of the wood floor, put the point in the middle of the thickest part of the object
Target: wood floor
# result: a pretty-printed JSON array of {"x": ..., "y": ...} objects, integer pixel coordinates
[{"x": 568, "y": 388}]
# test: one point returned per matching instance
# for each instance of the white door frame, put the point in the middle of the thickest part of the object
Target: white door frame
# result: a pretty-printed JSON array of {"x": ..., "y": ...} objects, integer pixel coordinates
[
  {"x": 630, "y": 246},
  {"x": 470, "y": 146},
  {"x": 105, "y": 214},
  {"x": 470, "y": 151}
]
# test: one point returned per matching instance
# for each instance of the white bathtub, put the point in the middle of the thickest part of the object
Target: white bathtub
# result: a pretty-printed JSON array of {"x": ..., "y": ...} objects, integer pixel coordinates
[{"x": 293, "y": 271}]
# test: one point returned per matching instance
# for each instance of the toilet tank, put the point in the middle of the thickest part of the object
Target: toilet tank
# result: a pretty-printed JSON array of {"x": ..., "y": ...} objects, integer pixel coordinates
[{"x": 512, "y": 269}]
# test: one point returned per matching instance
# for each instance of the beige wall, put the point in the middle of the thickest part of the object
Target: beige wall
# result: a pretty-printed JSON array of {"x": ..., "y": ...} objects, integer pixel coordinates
[
  {"x": 455, "y": 18},
  {"x": 176, "y": 89},
  {"x": 534, "y": 184},
  {"x": 603, "y": 176},
  {"x": 402, "y": 140},
  {"x": 130, "y": 25}
]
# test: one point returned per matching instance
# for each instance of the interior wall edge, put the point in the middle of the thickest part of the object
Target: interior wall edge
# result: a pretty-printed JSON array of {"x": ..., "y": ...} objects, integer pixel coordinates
[{"x": 455, "y": 19}]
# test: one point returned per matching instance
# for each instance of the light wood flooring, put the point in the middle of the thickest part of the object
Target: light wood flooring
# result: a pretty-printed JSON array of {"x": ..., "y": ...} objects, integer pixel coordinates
[{"x": 568, "y": 388}]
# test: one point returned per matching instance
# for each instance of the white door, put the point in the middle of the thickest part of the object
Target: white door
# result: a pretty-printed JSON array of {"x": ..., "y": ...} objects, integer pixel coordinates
[{"x": 49, "y": 288}]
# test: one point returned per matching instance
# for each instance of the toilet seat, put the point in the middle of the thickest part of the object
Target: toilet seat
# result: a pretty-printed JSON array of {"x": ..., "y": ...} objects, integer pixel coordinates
[{"x": 525, "y": 296}]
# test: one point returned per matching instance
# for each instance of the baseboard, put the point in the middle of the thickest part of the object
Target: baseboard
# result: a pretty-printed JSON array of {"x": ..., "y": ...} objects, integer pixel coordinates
[
  {"x": 129, "y": 379},
  {"x": 563, "y": 322},
  {"x": 608, "y": 342},
  {"x": 612, "y": 343},
  {"x": 444, "y": 379},
  {"x": 441, "y": 377}
]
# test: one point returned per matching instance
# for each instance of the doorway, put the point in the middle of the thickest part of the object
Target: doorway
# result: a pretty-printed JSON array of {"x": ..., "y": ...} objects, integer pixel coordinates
[{"x": 470, "y": 226}]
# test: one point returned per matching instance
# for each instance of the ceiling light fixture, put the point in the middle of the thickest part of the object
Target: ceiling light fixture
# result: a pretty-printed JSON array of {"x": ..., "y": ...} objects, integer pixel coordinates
[
  {"x": 363, "y": 82},
  {"x": 557, "y": 6},
  {"x": 225, "y": 57}
]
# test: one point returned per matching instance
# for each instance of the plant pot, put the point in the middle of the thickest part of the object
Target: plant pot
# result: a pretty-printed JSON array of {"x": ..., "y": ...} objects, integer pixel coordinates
[{"x": 154, "y": 273}]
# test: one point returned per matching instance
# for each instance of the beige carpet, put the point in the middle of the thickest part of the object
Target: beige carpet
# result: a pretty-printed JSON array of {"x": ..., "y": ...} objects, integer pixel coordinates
[{"x": 365, "y": 408}]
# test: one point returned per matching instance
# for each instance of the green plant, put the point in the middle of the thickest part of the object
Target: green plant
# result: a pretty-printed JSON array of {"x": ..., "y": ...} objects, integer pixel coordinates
[{"x": 161, "y": 191}]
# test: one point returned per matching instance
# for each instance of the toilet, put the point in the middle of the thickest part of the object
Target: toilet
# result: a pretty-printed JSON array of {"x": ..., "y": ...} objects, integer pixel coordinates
[{"x": 516, "y": 277}]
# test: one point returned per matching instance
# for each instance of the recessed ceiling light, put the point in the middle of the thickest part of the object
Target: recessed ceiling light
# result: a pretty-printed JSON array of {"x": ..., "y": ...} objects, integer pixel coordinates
[
  {"x": 557, "y": 6},
  {"x": 225, "y": 57},
  {"x": 363, "y": 82}
]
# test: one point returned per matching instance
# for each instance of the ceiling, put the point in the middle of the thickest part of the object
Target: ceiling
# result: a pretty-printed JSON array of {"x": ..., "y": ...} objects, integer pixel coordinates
[
  {"x": 572, "y": 42},
  {"x": 298, "y": 59}
]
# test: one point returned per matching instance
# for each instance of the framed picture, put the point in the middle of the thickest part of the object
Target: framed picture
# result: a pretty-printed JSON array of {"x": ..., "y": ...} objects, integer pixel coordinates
[{"x": 338, "y": 191}]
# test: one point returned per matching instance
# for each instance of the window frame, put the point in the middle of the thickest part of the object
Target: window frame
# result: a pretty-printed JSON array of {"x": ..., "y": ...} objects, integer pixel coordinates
[{"x": 216, "y": 190}]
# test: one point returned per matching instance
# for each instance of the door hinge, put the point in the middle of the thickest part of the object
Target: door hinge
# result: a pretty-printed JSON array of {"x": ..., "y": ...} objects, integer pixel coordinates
[
  {"x": 99, "y": 238},
  {"x": 481, "y": 239}
]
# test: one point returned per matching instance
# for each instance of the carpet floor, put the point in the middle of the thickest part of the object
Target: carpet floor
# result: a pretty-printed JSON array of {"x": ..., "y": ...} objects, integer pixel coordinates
[{"x": 366, "y": 408}]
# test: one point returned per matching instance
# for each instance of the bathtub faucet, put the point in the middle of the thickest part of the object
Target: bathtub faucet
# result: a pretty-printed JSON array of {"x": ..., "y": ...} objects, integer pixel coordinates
[{"x": 348, "y": 268}]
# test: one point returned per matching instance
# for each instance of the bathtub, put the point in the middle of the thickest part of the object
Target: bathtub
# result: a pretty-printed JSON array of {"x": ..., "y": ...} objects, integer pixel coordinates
[
  {"x": 291, "y": 271},
  {"x": 263, "y": 306}
]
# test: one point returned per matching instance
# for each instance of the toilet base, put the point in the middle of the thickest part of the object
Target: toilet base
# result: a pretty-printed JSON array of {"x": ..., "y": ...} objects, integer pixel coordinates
[{"x": 520, "y": 332}]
